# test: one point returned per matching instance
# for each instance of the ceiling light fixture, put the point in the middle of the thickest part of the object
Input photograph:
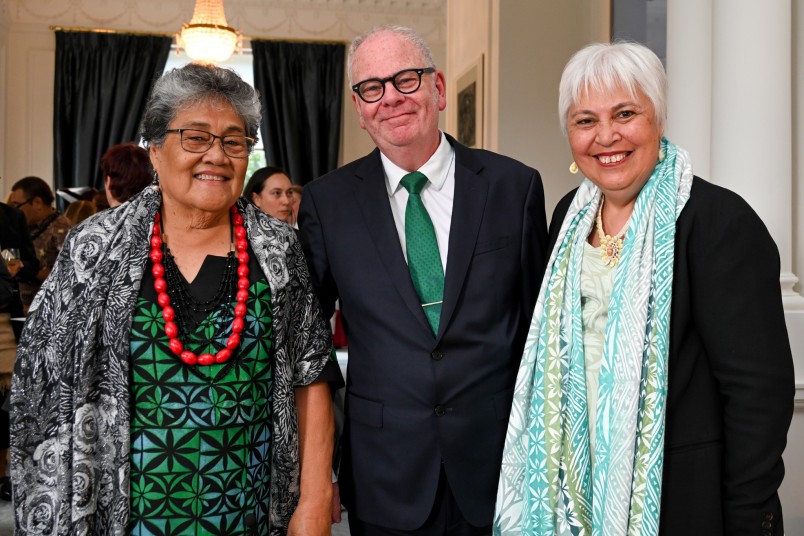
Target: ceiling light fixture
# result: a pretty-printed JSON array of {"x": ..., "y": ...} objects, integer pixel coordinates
[{"x": 208, "y": 38}]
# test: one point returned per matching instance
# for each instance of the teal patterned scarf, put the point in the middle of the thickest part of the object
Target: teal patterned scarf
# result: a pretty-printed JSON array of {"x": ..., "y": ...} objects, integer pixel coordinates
[{"x": 548, "y": 485}]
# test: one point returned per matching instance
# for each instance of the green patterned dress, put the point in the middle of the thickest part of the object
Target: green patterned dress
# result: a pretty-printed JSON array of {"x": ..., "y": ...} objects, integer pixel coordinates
[
  {"x": 597, "y": 282},
  {"x": 201, "y": 436}
]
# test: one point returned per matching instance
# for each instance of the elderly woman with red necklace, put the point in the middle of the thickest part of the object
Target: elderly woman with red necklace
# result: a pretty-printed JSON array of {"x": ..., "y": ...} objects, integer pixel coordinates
[
  {"x": 172, "y": 377},
  {"x": 656, "y": 387}
]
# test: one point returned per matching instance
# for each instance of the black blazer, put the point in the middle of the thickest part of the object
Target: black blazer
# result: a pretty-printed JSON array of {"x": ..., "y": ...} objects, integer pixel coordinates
[
  {"x": 731, "y": 381},
  {"x": 7, "y": 286},
  {"x": 14, "y": 234},
  {"x": 415, "y": 400}
]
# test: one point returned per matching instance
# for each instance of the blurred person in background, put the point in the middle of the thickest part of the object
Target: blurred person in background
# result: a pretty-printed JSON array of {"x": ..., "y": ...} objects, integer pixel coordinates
[
  {"x": 271, "y": 190},
  {"x": 101, "y": 201},
  {"x": 46, "y": 226},
  {"x": 13, "y": 236},
  {"x": 127, "y": 170},
  {"x": 78, "y": 211},
  {"x": 298, "y": 191}
]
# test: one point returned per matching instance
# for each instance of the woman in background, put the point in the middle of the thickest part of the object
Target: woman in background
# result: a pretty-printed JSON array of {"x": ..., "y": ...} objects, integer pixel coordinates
[
  {"x": 270, "y": 189},
  {"x": 78, "y": 211},
  {"x": 656, "y": 388},
  {"x": 127, "y": 171}
]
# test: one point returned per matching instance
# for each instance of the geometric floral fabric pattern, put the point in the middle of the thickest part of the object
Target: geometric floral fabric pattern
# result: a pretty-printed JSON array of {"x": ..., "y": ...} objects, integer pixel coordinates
[
  {"x": 201, "y": 435},
  {"x": 551, "y": 484}
]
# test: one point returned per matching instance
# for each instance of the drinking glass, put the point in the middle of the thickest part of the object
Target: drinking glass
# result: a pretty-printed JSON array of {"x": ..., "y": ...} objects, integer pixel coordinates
[{"x": 12, "y": 258}]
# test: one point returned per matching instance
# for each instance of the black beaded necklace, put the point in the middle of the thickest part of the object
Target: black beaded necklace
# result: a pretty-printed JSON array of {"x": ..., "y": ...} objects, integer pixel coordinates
[{"x": 190, "y": 312}]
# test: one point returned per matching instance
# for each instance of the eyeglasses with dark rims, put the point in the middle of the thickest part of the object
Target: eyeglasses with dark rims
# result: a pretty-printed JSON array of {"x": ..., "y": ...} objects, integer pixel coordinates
[
  {"x": 406, "y": 82},
  {"x": 200, "y": 141}
]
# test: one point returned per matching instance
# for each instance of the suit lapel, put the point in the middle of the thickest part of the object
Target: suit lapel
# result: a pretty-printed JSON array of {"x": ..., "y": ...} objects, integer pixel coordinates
[
  {"x": 372, "y": 198},
  {"x": 468, "y": 205}
]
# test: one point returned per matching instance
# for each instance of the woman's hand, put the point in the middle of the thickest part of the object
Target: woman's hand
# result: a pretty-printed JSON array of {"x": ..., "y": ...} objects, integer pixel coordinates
[
  {"x": 311, "y": 518},
  {"x": 313, "y": 515},
  {"x": 15, "y": 267}
]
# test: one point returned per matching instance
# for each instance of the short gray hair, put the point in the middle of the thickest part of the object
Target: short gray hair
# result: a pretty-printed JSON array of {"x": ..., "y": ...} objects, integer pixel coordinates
[
  {"x": 403, "y": 31},
  {"x": 605, "y": 66},
  {"x": 193, "y": 84}
]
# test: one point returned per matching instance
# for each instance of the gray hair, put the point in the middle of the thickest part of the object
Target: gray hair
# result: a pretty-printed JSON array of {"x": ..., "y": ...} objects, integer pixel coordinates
[
  {"x": 193, "y": 84},
  {"x": 403, "y": 31},
  {"x": 605, "y": 66}
]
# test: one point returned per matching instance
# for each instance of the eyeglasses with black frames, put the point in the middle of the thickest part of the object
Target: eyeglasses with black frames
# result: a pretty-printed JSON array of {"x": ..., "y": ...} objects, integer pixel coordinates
[
  {"x": 407, "y": 82},
  {"x": 200, "y": 141},
  {"x": 23, "y": 203}
]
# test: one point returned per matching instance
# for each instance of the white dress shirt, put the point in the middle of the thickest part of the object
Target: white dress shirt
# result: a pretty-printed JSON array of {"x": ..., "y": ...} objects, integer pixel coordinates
[{"x": 437, "y": 194}]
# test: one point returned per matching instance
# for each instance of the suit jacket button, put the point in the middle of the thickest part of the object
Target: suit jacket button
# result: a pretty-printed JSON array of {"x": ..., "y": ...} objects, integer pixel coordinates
[
  {"x": 768, "y": 516},
  {"x": 440, "y": 411},
  {"x": 437, "y": 355},
  {"x": 767, "y": 525}
]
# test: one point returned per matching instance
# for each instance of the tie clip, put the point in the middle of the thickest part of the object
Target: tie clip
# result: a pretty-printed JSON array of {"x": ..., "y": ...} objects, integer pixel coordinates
[{"x": 432, "y": 303}]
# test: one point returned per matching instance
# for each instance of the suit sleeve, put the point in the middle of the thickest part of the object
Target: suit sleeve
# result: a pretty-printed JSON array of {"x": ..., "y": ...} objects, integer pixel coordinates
[
  {"x": 534, "y": 243},
  {"x": 22, "y": 240},
  {"x": 737, "y": 309},
  {"x": 315, "y": 252},
  {"x": 6, "y": 286}
]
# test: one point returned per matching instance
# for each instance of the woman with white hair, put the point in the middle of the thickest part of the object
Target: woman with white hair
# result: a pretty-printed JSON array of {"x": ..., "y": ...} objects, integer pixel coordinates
[{"x": 656, "y": 388}]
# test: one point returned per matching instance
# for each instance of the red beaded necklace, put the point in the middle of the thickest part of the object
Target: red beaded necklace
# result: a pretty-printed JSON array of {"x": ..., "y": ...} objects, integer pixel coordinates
[{"x": 163, "y": 299}]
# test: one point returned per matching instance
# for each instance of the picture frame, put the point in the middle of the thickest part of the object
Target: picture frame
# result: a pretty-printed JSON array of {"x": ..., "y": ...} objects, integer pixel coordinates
[{"x": 469, "y": 105}]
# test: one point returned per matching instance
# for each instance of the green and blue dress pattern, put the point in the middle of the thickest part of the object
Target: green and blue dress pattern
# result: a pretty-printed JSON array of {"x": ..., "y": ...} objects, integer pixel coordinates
[{"x": 201, "y": 436}]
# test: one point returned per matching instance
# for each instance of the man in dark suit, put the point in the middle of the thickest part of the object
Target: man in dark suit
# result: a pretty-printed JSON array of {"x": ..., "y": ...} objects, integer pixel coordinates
[
  {"x": 437, "y": 275},
  {"x": 13, "y": 235}
]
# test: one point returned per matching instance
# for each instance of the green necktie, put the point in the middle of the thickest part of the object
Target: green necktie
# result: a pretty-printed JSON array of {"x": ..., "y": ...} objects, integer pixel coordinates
[{"x": 424, "y": 260}]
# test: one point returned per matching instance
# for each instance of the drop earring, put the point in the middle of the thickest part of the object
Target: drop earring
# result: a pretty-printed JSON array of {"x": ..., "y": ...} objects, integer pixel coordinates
[
  {"x": 661, "y": 155},
  {"x": 573, "y": 168}
]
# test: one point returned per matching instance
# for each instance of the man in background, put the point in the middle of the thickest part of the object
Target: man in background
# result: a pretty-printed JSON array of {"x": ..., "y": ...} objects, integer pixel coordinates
[
  {"x": 435, "y": 252},
  {"x": 46, "y": 226},
  {"x": 13, "y": 236}
]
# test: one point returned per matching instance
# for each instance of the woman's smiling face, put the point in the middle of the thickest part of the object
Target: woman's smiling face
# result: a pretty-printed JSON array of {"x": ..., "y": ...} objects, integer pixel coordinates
[
  {"x": 208, "y": 182},
  {"x": 614, "y": 139}
]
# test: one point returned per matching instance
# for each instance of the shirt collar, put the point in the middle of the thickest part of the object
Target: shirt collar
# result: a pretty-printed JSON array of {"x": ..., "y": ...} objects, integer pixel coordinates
[{"x": 434, "y": 169}]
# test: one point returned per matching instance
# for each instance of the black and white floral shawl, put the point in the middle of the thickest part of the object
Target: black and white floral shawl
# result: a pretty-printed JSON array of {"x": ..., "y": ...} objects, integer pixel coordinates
[{"x": 70, "y": 408}]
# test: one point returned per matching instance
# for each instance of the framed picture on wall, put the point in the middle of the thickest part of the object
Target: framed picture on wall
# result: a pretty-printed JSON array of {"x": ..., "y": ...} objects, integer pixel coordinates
[{"x": 470, "y": 105}]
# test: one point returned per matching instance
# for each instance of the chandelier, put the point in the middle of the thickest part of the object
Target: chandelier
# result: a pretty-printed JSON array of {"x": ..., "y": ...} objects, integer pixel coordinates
[{"x": 207, "y": 38}]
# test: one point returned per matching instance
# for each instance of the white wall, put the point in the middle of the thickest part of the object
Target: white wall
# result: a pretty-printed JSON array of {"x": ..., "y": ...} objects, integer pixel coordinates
[
  {"x": 793, "y": 487},
  {"x": 525, "y": 45},
  {"x": 792, "y": 490},
  {"x": 27, "y": 61},
  {"x": 798, "y": 144}
]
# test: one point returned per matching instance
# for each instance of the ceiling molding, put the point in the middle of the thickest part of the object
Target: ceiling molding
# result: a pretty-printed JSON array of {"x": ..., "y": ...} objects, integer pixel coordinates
[{"x": 314, "y": 19}]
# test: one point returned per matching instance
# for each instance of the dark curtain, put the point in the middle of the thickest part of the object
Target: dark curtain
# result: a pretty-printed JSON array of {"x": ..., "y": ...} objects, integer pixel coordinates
[
  {"x": 301, "y": 89},
  {"x": 102, "y": 83}
]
